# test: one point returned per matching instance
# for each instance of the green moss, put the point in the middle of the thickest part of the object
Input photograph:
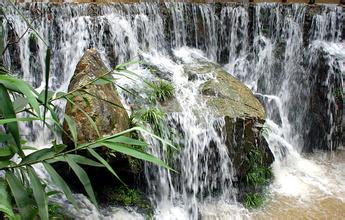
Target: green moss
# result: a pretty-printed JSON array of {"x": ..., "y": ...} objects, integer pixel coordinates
[{"x": 124, "y": 196}]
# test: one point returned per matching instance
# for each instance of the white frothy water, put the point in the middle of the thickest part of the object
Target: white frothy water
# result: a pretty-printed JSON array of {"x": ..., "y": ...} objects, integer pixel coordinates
[
  {"x": 268, "y": 59},
  {"x": 202, "y": 149}
]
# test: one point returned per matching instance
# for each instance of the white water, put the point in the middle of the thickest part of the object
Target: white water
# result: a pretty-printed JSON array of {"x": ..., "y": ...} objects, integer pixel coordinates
[{"x": 124, "y": 32}]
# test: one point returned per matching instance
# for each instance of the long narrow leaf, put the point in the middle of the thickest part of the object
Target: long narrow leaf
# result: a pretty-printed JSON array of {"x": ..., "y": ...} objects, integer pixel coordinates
[
  {"x": 47, "y": 71},
  {"x": 124, "y": 65},
  {"x": 39, "y": 194},
  {"x": 83, "y": 177},
  {"x": 135, "y": 153},
  {"x": 21, "y": 196},
  {"x": 5, "y": 137},
  {"x": 4, "y": 163},
  {"x": 20, "y": 103},
  {"x": 105, "y": 163},
  {"x": 38, "y": 156},
  {"x": 128, "y": 140},
  {"x": 5, "y": 152},
  {"x": 91, "y": 121},
  {"x": 7, "y": 111},
  {"x": 24, "y": 88},
  {"x": 5, "y": 202},
  {"x": 136, "y": 129},
  {"x": 60, "y": 183},
  {"x": 80, "y": 160},
  {"x": 9, "y": 120},
  {"x": 72, "y": 127}
]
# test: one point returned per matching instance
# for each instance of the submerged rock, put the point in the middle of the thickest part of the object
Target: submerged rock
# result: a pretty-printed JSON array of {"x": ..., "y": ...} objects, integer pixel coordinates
[{"x": 102, "y": 103}]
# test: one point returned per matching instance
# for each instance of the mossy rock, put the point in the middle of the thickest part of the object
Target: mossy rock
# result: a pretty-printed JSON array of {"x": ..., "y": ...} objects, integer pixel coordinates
[
  {"x": 126, "y": 197},
  {"x": 102, "y": 103},
  {"x": 244, "y": 115}
]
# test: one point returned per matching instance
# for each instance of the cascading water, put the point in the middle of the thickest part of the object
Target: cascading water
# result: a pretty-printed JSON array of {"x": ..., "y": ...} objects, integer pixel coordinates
[
  {"x": 285, "y": 53},
  {"x": 203, "y": 164}
]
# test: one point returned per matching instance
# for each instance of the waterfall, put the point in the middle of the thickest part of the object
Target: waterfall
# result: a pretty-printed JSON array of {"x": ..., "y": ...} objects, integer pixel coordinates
[{"x": 291, "y": 56}]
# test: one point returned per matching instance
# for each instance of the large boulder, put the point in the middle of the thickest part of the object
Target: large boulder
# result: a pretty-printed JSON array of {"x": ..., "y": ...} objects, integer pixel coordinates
[
  {"x": 100, "y": 102},
  {"x": 244, "y": 115}
]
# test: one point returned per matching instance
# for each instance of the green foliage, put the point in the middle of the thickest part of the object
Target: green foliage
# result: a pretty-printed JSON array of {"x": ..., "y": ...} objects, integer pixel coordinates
[
  {"x": 257, "y": 177},
  {"x": 124, "y": 196},
  {"x": 23, "y": 193},
  {"x": 162, "y": 90},
  {"x": 55, "y": 212},
  {"x": 253, "y": 200},
  {"x": 258, "y": 174},
  {"x": 153, "y": 116},
  {"x": 127, "y": 197}
]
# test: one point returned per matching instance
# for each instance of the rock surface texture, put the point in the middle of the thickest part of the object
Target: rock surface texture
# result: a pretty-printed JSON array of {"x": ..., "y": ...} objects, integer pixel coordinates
[
  {"x": 244, "y": 115},
  {"x": 102, "y": 103}
]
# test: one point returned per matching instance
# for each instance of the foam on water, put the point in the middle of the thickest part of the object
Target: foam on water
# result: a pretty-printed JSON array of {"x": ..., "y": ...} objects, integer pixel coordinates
[{"x": 262, "y": 45}]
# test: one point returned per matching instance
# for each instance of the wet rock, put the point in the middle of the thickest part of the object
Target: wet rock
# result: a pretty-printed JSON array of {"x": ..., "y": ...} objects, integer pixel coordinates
[
  {"x": 325, "y": 108},
  {"x": 105, "y": 108},
  {"x": 243, "y": 113}
]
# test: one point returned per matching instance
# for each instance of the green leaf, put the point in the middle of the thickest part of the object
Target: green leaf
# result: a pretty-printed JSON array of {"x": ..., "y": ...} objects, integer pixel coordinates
[
  {"x": 15, "y": 217},
  {"x": 54, "y": 192},
  {"x": 105, "y": 163},
  {"x": 123, "y": 66},
  {"x": 41, "y": 96},
  {"x": 72, "y": 127},
  {"x": 102, "y": 81},
  {"x": 135, "y": 129},
  {"x": 135, "y": 153},
  {"x": 6, "y": 109},
  {"x": 4, "y": 163},
  {"x": 59, "y": 147},
  {"x": 22, "y": 87},
  {"x": 59, "y": 95},
  {"x": 5, "y": 137},
  {"x": 21, "y": 196},
  {"x": 58, "y": 181},
  {"x": 47, "y": 72},
  {"x": 91, "y": 121},
  {"x": 20, "y": 103},
  {"x": 38, "y": 156},
  {"x": 5, "y": 152},
  {"x": 5, "y": 201},
  {"x": 39, "y": 194},
  {"x": 86, "y": 101},
  {"x": 84, "y": 179},
  {"x": 84, "y": 160},
  {"x": 127, "y": 140},
  {"x": 29, "y": 148},
  {"x": 10, "y": 120}
]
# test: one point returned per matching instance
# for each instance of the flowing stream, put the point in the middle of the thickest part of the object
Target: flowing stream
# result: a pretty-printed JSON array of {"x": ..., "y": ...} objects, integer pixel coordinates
[{"x": 276, "y": 50}]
